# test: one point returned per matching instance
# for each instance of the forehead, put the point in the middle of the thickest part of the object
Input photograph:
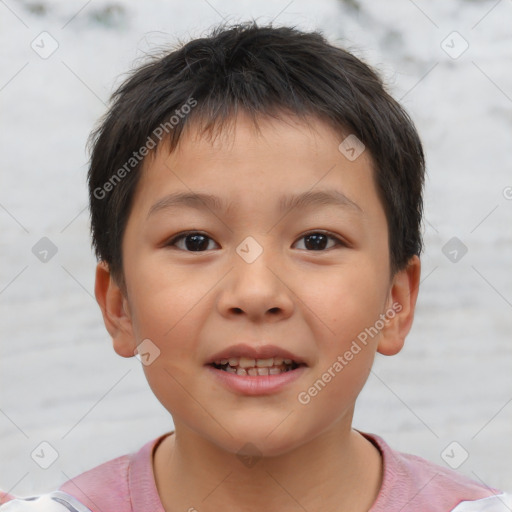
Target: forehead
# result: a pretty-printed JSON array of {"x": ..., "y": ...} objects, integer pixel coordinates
[{"x": 245, "y": 163}]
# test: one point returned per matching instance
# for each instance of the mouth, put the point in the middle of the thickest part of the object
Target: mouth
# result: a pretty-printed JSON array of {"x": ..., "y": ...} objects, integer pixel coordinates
[
  {"x": 254, "y": 361},
  {"x": 252, "y": 370},
  {"x": 253, "y": 367}
]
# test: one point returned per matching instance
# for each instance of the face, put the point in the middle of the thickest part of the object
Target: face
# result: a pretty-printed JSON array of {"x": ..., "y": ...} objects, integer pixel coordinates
[{"x": 289, "y": 261}]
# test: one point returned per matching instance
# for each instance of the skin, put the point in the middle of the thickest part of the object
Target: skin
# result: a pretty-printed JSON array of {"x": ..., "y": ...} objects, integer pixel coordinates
[{"x": 314, "y": 303}]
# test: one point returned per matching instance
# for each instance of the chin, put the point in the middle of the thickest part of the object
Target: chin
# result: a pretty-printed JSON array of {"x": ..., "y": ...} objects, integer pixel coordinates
[{"x": 253, "y": 439}]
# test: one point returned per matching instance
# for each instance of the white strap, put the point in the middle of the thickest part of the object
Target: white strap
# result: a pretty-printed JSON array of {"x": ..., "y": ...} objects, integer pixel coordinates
[
  {"x": 498, "y": 503},
  {"x": 57, "y": 501}
]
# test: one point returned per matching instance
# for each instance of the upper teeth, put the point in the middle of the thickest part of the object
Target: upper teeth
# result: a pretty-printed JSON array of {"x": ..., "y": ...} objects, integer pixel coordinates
[{"x": 246, "y": 362}]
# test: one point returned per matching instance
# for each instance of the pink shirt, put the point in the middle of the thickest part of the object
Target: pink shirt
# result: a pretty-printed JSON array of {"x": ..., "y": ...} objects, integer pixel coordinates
[{"x": 410, "y": 483}]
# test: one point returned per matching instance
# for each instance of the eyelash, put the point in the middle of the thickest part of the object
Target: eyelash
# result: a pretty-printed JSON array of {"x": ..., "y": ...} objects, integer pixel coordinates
[{"x": 184, "y": 234}]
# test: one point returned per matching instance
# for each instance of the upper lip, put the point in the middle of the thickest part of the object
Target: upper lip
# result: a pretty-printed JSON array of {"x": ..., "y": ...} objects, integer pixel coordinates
[{"x": 251, "y": 352}]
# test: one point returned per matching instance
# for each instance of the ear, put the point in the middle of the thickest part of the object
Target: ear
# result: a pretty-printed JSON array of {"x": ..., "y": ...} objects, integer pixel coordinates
[
  {"x": 115, "y": 310},
  {"x": 402, "y": 302}
]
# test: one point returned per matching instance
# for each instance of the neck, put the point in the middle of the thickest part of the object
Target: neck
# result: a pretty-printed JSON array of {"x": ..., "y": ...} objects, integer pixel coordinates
[{"x": 337, "y": 470}]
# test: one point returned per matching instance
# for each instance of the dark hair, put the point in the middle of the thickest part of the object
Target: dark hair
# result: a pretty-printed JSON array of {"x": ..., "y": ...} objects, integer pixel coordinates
[{"x": 262, "y": 70}]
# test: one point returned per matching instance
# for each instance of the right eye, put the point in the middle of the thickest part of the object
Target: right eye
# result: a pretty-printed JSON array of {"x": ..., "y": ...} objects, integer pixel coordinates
[{"x": 193, "y": 241}]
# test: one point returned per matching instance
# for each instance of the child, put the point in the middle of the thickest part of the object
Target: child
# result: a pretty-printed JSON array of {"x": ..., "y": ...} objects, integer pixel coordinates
[{"x": 256, "y": 202}]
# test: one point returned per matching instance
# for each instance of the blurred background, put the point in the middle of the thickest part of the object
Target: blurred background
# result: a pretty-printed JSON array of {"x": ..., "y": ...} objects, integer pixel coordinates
[{"x": 446, "y": 397}]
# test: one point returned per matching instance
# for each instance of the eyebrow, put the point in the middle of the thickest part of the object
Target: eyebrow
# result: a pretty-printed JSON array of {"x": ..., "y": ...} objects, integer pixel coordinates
[{"x": 203, "y": 201}]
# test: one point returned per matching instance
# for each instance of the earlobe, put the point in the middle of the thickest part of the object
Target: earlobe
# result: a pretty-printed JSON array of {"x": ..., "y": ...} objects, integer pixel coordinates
[
  {"x": 402, "y": 302},
  {"x": 115, "y": 310}
]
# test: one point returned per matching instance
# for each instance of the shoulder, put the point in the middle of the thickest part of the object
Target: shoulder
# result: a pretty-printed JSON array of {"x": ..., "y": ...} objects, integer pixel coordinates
[
  {"x": 499, "y": 503},
  {"x": 413, "y": 483},
  {"x": 122, "y": 484},
  {"x": 101, "y": 488},
  {"x": 104, "y": 487},
  {"x": 52, "y": 502}
]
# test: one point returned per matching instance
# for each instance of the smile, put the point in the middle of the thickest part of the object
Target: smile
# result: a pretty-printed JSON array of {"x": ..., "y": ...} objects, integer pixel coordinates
[{"x": 246, "y": 366}]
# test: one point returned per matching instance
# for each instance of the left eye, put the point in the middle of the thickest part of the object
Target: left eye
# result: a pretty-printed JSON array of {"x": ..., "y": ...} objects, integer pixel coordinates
[{"x": 317, "y": 241}]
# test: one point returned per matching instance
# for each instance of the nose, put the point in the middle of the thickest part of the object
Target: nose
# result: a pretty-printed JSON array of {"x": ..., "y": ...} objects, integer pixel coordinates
[{"x": 259, "y": 290}]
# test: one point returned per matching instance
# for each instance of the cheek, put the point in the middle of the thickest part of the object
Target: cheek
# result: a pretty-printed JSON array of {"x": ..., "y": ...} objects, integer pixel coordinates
[
  {"x": 170, "y": 385},
  {"x": 165, "y": 300},
  {"x": 331, "y": 395},
  {"x": 344, "y": 302}
]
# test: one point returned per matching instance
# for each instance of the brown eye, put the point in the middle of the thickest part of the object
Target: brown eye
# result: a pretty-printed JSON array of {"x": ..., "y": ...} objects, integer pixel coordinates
[
  {"x": 318, "y": 241},
  {"x": 192, "y": 241}
]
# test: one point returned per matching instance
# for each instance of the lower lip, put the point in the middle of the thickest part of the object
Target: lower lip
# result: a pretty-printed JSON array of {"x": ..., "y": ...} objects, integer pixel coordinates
[{"x": 257, "y": 385}]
